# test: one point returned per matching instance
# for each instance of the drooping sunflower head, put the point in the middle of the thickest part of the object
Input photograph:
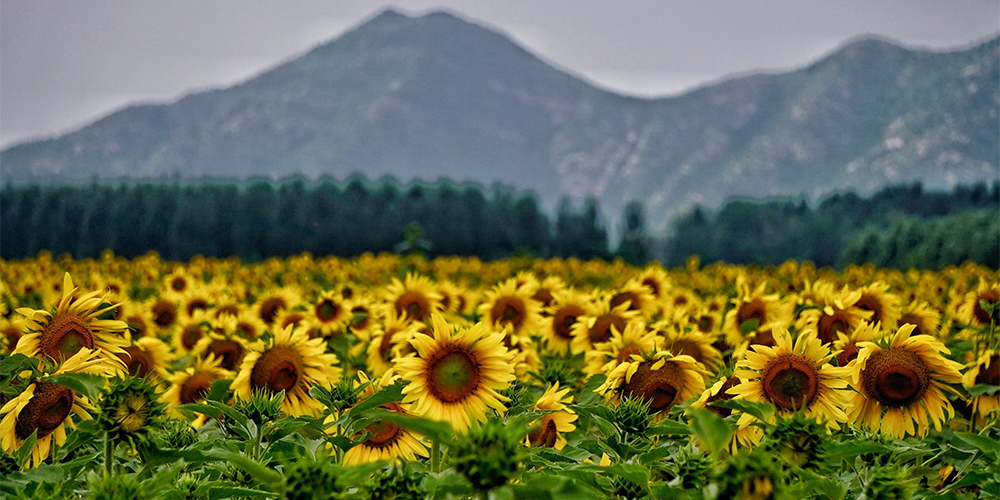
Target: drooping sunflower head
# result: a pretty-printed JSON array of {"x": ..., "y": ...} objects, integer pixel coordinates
[
  {"x": 690, "y": 342},
  {"x": 900, "y": 381},
  {"x": 638, "y": 297},
  {"x": 655, "y": 279},
  {"x": 835, "y": 314},
  {"x": 882, "y": 304},
  {"x": 971, "y": 312},
  {"x": 390, "y": 339},
  {"x": 984, "y": 371},
  {"x": 74, "y": 324},
  {"x": 44, "y": 409},
  {"x": 635, "y": 340},
  {"x": 288, "y": 361},
  {"x": 754, "y": 316},
  {"x": 147, "y": 357},
  {"x": 925, "y": 319},
  {"x": 415, "y": 296},
  {"x": 549, "y": 430},
  {"x": 192, "y": 384},
  {"x": 455, "y": 374}
]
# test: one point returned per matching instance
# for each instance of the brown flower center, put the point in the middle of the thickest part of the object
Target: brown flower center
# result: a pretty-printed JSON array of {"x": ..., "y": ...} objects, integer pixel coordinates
[
  {"x": 384, "y": 434},
  {"x": 361, "y": 317},
  {"x": 292, "y": 319},
  {"x": 916, "y": 321},
  {"x": 543, "y": 295},
  {"x": 722, "y": 395},
  {"x": 705, "y": 323},
  {"x": 830, "y": 324},
  {"x": 653, "y": 285},
  {"x": 137, "y": 324},
  {"x": 564, "y": 319},
  {"x": 385, "y": 345},
  {"x": 137, "y": 360},
  {"x": 64, "y": 336},
  {"x": 755, "y": 309},
  {"x": 270, "y": 307},
  {"x": 196, "y": 386},
  {"x": 661, "y": 388},
  {"x": 164, "y": 313},
  {"x": 895, "y": 377},
  {"x": 991, "y": 375},
  {"x": 601, "y": 331},
  {"x": 230, "y": 352},
  {"x": 847, "y": 353},
  {"x": 869, "y": 302},
  {"x": 988, "y": 296},
  {"x": 196, "y": 304},
  {"x": 230, "y": 309},
  {"x": 327, "y": 310},
  {"x": 508, "y": 311},
  {"x": 790, "y": 382},
  {"x": 178, "y": 284},
  {"x": 414, "y": 305},
  {"x": 627, "y": 351},
  {"x": 278, "y": 369},
  {"x": 190, "y": 335},
  {"x": 452, "y": 374},
  {"x": 623, "y": 297},
  {"x": 545, "y": 436},
  {"x": 687, "y": 347},
  {"x": 45, "y": 412}
]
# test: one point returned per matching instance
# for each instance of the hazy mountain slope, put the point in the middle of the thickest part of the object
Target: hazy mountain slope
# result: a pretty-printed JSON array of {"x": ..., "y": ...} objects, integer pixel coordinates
[{"x": 438, "y": 96}]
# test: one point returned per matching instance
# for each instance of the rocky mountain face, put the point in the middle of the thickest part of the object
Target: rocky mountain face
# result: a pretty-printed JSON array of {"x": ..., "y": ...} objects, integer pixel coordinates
[{"x": 436, "y": 95}]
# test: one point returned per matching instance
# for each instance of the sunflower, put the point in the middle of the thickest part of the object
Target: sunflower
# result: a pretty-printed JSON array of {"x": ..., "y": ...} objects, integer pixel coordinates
[
  {"x": 925, "y": 319},
  {"x": 415, "y": 296},
  {"x": 559, "y": 317},
  {"x": 636, "y": 340},
  {"x": 846, "y": 346},
  {"x": 883, "y": 305},
  {"x": 638, "y": 296},
  {"x": 900, "y": 382},
  {"x": 164, "y": 314},
  {"x": 197, "y": 297},
  {"x": 147, "y": 357},
  {"x": 547, "y": 290},
  {"x": 178, "y": 281},
  {"x": 287, "y": 361},
  {"x": 793, "y": 377},
  {"x": 744, "y": 437},
  {"x": 661, "y": 379},
  {"x": 655, "y": 279},
  {"x": 73, "y": 325},
  {"x": 190, "y": 331},
  {"x": 388, "y": 441},
  {"x": 836, "y": 313},
  {"x": 508, "y": 307},
  {"x": 224, "y": 343},
  {"x": 971, "y": 312},
  {"x": 389, "y": 340},
  {"x": 44, "y": 408},
  {"x": 694, "y": 343},
  {"x": 192, "y": 384},
  {"x": 455, "y": 374},
  {"x": 754, "y": 317},
  {"x": 598, "y": 326},
  {"x": 275, "y": 300},
  {"x": 329, "y": 314},
  {"x": 553, "y": 426},
  {"x": 984, "y": 371}
]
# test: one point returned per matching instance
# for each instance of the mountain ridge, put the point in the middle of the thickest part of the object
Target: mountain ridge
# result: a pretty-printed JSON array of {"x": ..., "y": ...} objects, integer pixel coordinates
[{"x": 412, "y": 97}]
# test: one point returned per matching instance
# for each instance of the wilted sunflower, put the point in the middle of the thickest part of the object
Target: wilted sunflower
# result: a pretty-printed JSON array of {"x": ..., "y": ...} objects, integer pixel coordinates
[
  {"x": 793, "y": 377},
  {"x": 45, "y": 407},
  {"x": 454, "y": 374},
  {"x": 553, "y": 427},
  {"x": 388, "y": 441},
  {"x": 900, "y": 382},
  {"x": 984, "y": 371},
  {"x": 415, "y": 296},
  {"x": 287, "y": 361},
  {"x": 72, "y": 326},
  {"x": 191, "y": 385},
  {"x": 661, "y": 379}
]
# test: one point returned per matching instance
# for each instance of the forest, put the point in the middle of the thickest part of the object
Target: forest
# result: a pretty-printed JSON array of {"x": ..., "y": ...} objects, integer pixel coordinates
[{"x": 900, "y": 226}]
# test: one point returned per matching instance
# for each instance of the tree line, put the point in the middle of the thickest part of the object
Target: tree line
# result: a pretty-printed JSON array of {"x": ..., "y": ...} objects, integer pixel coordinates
[
  {"x": 260, "y": 218},
  {"x": 900, "y": 226}
]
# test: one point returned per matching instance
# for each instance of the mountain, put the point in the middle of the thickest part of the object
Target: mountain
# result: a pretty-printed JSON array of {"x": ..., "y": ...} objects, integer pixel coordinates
[{"x": 436, "y": 95}]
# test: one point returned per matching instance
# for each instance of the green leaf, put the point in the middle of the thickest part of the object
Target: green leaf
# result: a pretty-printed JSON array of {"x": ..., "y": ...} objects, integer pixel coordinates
[
  {"x": 749, "y": 325},
  {"x": 762, "y": 411},
  {"x": 710, "y": 429},
  {"x": 983, "y": 389},
  {"x": 432, "y": 429},
  {"x": 219, "y": 390},
  {"x": 217, "y": 492},
  {"x": 14, "y": 364},
  {"x": 668, "y": 428},
  {"x": 259, "y": 472},
  {"x": 985, "y": 445},
  {"x": 23, "y": 454},
  {"x": 88, "y": 384},
  {"x": 849, "y": 449},
  {"x": 390, "y": 394}
]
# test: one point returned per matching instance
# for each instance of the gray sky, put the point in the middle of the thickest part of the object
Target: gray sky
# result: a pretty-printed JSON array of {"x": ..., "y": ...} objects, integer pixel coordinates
[{"x": 65, "y": 63}]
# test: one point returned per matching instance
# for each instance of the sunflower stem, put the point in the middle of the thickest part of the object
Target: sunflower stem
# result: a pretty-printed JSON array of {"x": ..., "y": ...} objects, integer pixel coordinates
[
  {"x": 108, "y": 454},
  {"x": 436, "y": 455}
]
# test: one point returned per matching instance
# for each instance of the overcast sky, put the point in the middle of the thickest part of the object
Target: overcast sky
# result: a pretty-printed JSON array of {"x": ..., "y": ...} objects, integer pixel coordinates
[{"x": 65, "y": 63}]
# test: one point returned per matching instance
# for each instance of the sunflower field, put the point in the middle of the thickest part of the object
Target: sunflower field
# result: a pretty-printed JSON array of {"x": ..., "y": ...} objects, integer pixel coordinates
[{"x": 397, "y": 377}]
